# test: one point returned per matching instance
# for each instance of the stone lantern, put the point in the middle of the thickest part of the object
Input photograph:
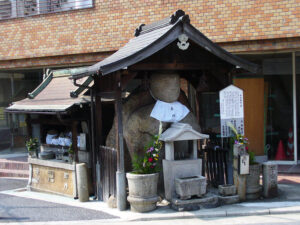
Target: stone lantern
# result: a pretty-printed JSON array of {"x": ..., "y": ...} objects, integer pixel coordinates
[{"x": 188, "y": 167}]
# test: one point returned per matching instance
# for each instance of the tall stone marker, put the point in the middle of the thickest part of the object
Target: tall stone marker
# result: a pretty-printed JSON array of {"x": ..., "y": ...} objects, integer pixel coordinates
[
  {"x": 270, "y": 172},
  {"x": 240, "y": 169}
]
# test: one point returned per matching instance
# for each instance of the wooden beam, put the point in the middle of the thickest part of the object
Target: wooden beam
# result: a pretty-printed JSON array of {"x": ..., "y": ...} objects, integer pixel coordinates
[
  {"x": 173, "y": 66},
  {"x": 54, "y": 121}
]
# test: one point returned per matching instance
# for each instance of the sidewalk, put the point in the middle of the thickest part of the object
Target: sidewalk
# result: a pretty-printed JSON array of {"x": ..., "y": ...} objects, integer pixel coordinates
[{"x": 287, "y": 202}]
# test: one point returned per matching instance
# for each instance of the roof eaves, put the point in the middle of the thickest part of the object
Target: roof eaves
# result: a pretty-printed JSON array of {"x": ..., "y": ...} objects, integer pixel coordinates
[{"x": 215, "y": 49}]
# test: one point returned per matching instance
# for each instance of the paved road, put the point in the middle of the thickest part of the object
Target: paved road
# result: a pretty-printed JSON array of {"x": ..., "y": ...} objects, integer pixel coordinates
[
  {"x": 284, "y": 219},
  {"x": 9, "y": 184},
  {"x": 18, "y": 209}
]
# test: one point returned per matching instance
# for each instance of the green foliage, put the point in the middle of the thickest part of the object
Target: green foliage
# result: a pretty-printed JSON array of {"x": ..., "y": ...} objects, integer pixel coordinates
[
  {"x": 149, "y": 162},
  {"x": 71, "y": 150},
  {"x": 251, "y": 158},
  {"x": 237, "y": 138},
  {"x": 241, "y": 139},
  {"x": 32, "y": 144}
]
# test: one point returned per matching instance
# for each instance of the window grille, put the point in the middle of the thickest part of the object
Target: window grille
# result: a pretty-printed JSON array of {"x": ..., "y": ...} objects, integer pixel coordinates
[{"x": 21, "y": 8}]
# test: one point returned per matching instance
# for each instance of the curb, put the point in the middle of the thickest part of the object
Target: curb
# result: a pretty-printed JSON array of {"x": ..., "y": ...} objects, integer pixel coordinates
[{"x": 205, "y": 213}]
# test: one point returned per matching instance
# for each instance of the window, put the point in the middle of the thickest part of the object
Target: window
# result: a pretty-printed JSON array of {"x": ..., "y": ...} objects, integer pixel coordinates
[
  {"x": 21, "y": 8},
  {"x": 14, "y": 86}
]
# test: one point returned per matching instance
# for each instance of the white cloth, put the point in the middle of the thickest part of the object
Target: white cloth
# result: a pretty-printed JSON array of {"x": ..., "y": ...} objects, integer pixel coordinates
[
  {"x": 49, "y": 138},
  {"x": 169, "y": 112},
  {"x": 54, "y": 141},
  {"x": 68, "y": 141},
  {"x": 61, "y": 141}
]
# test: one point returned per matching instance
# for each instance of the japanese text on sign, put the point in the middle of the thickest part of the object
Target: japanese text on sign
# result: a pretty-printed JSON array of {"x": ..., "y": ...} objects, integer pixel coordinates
[{"x": 231, "y": 110}]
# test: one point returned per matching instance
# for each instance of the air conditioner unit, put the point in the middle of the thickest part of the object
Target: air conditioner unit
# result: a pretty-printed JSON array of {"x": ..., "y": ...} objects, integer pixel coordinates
[
  {"x": 63, "y": 5},
  {"x": 30, "y": 7},
  {"x": 5, "y": 9}
]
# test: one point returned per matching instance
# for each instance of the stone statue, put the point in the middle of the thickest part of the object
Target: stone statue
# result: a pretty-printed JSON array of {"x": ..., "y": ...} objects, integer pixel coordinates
[{"x": 138, "y": 126}]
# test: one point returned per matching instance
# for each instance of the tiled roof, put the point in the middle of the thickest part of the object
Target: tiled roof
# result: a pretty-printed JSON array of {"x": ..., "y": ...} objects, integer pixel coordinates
[
  {"x": 52, "y": 95},
  {"x": 154, "y": 37}
]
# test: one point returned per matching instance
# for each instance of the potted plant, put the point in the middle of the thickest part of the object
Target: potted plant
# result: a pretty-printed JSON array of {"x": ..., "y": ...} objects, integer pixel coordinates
[
  {"x": 142, "y": 181},
  {"x": 32, "y": 146}
]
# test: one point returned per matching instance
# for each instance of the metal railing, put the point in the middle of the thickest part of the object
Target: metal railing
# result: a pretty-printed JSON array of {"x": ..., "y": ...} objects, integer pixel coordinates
[{"x": 21, "y": 8}]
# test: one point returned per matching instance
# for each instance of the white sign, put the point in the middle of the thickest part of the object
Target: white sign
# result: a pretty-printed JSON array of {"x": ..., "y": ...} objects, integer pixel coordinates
[
  {"x": 231, "y": 110},
  {"x": 244, "y": 164}
]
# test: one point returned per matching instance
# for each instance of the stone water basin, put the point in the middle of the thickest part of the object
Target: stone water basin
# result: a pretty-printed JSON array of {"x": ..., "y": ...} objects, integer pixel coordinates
[{"x": 186, "y": 187}]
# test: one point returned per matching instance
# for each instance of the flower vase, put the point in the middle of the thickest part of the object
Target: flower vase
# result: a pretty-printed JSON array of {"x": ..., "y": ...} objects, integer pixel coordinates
[
  {"x": 142, "y": 191},
  {"x": 253, "y": 188}
]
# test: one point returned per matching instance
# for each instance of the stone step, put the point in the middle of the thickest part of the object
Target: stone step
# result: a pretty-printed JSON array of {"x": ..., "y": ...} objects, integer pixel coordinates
[
  {"x": 13, "y": 173},
  {"x": 14, "y": 165}
]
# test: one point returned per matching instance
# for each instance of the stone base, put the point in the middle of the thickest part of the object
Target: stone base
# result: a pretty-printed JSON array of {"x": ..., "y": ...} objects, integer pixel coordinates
[
  {"x": 227, "y": 190},
  {"x": 253, "y": 193},
  {"x": 228, "y": 200},
  {"x": 142, "y": 204},
  {"x": 208, "y": 201}
]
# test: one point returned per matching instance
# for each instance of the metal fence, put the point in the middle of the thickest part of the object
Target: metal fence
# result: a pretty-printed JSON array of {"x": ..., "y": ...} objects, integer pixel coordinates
[
  {"x": 216, "y": 165},
  {"x": 22, "y": 8}
]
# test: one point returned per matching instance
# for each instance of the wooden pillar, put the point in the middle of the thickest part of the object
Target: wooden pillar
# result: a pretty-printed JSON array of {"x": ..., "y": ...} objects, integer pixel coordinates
[
  {"x": 28, "y": 126},
  {"x": 98, "y": 118},
  {"x": 74, "y": 139},
  {"x": 118, "y": 109},
  {"x": 120, "y": 176},
  {"x": 97, "y": 123}
]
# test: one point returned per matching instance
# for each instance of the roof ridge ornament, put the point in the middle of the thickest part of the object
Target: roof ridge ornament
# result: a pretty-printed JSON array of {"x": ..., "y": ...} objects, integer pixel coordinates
[
  {"x": 139, "y": 30},
  {"x": 182, "y": 43},
  {"x": 179, "y": 13},
  {"x": 143, "y": 28}
]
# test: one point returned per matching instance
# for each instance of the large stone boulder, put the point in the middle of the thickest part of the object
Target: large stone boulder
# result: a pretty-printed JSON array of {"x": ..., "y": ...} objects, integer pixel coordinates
[
  {"x": 165, "y": 87},
  {"x": 138, "y": 126}
]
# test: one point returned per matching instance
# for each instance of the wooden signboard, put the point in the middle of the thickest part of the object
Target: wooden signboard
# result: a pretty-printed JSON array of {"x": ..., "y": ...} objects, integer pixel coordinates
[{"x": 231, "y": 110}]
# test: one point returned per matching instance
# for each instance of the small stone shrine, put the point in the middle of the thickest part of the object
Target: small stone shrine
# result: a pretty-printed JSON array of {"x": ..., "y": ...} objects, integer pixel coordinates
[
  {"x": 188, "y": 169},
  {"x": 185, "y": 187}
]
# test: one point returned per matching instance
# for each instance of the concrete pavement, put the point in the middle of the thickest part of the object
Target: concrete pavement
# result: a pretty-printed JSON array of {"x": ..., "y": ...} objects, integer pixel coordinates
[{"x": 15, "y": 208}]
